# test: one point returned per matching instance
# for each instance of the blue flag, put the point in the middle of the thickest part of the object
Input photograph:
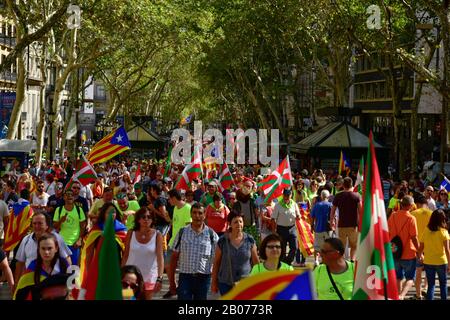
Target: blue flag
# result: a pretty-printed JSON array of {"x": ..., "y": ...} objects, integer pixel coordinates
[
  {"x": 445, "y": 184},
  {"x": 302, "y": 288}
]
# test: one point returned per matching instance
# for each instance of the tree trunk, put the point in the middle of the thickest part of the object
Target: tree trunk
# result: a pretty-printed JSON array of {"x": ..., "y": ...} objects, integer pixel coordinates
[
  {"x": 41, "y": 125},
  {"x": 445, "y": 85},
  {"x": 20, "y": 98}
]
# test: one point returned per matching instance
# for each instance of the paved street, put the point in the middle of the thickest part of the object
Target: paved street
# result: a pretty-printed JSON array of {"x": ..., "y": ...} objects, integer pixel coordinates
[{"x": 4, "y": 292}]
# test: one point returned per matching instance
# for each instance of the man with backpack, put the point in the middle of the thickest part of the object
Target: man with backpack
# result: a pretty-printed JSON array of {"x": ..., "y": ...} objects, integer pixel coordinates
[
  {"x": 194, "y": 247},
  {"x": 70, "y": 221},
  {"x": 403, "y": 234}
]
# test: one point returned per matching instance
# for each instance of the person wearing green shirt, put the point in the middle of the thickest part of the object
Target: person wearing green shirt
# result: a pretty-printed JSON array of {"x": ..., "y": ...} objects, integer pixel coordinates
[
  {"x": 138, "y": 192},
  {"x": 70, "y": 222},
  {"x": 127, "y": 209},
  {"x": 311, "y": 192},
  {"x": 181, "y": 218},
  {"x": 336, "y": 267},
  {"x": 271, "y": 252}
]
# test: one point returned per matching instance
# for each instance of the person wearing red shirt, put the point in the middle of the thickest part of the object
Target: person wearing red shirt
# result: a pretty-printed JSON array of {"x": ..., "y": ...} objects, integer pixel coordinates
[{"x": 216, "y": 215}]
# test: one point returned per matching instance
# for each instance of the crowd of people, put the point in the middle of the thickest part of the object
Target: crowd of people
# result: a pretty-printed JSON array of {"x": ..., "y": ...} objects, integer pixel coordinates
[{"x": 214, "y": 238}]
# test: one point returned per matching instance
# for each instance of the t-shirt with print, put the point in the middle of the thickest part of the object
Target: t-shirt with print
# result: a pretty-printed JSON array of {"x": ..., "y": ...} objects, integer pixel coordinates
[
  {"x": 434, "y": 253},
  {"x": 70, "y": 229},
  {"x": 181, "y": 217},
  {"x": 403, "y": 224},
  {"x": 343, "y": 281},
  {"x": 347, "y": 203}
]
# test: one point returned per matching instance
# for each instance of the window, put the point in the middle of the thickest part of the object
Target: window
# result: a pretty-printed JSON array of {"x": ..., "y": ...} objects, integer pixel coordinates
[
  {"x": 357, "y": 91},
  {"x": 382, "y": 90},
  {"x": 369, "y": 92},
  {"x": 363, "y": 92},
  {"x": 100, "y": 92}
]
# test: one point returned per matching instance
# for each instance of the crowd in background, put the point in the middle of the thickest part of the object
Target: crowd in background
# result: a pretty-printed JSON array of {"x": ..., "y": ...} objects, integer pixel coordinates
[{"x": 213, "y": 237}]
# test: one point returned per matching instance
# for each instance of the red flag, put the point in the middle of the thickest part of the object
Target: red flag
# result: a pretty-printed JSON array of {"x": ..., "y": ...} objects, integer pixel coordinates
[
  {"x": 192, "y": 171},
  {"x": 279, "y": 179},
  {"x": 138, "y": 176},
  {"x": 226, "y": 180}
]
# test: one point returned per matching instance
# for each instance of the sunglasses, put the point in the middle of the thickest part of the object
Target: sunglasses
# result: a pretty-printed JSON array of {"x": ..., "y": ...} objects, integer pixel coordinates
[
  {"x": 443, "y": 194},
  {"x": 76, "y": 188},
  {"x": 126, "y": 285},
  {"x": 274, "y": 247},
  {"x": 147, "y": 217}
]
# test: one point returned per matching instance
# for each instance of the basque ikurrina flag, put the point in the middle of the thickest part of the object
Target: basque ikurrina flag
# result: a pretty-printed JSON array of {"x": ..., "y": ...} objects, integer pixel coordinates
[
  {"x": 18, "y": 224},
  {"x": 85, "y": 174},
  {"x": 110, "y": 146},
  {"x": 280, "y": 179},
  {"x": 192, "y": 171},
  {"x": 375, "y": 277},
  {"x": 226, "y": 180},
  {"x": 280, "y": 285}
]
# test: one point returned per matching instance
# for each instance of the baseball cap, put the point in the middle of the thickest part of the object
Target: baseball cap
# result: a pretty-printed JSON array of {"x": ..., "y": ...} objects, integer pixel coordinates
[
  {"x": 59, "y": 186},
  {"x": 287, "y": 192},
  {"x": 137, "y": 186},
  {"x": 167, "y": 180}
]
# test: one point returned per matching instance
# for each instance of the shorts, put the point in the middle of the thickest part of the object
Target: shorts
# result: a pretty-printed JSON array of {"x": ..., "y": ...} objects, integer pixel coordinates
[
  {"x": 149, "y": 286},
  {"x": 319, "y": 239},
  {"x": 419, "y": 264},
  {"x": 349, "y": 233},
  {"x": 405, "y": 269}
]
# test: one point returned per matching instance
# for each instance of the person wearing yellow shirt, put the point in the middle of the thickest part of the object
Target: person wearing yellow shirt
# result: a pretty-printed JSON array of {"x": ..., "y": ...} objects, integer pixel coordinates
[
  {"x": 422, "y": 215},
  {"x": 435, "y": 254}
]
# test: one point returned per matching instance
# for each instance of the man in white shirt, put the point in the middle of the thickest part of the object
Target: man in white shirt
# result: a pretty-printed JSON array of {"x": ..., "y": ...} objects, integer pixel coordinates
[
  {"x": 40, "y": 198},
  {"x": 428, "y": 195},
  {"x": 285, "y": 213},
  {"x": 27, "y": 251}
]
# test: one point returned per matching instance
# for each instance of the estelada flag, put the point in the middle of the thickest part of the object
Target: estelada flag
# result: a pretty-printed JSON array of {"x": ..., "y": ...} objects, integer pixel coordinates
[
  {"x": 279, "y": 285},
  {"x": 110, "y": 146},
  {"x": 18, "y": 225}
]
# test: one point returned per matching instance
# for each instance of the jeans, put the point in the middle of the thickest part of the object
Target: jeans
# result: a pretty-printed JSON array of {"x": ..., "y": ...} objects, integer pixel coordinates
[
  {"x": 288, "y": 235},
  {"x": 430, "y": 271},
  {"x": 193, "y": 286},
  {"x": 75, "y": 255},
  {"x": 224, "y": 288}
]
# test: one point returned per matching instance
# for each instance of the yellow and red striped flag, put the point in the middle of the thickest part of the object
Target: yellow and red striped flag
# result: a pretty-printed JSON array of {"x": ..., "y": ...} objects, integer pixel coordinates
[
  {"x": 110, "y": 146},
  {"x": 305, "y": 237},
  {"x": 18, "y": 224}
]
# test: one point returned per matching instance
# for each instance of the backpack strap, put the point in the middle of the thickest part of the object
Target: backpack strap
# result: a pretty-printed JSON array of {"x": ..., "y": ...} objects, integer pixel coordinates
[{"x": 180, "y": 232}]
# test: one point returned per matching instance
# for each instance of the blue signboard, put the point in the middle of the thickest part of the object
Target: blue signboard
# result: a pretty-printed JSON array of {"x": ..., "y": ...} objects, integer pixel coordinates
[{"x": 7, "y": 100}]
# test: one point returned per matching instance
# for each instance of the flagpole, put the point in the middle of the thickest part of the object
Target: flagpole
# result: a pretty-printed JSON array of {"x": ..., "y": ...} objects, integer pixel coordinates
[{"x": 385, "y": 289}]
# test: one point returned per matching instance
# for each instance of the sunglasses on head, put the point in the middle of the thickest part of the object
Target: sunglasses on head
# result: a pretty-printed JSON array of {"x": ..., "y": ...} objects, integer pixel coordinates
[{"x": 126, "y": 285}]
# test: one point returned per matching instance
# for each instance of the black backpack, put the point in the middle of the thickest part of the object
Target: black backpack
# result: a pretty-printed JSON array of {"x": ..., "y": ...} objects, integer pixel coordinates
[{"x": 397, "y": 244}]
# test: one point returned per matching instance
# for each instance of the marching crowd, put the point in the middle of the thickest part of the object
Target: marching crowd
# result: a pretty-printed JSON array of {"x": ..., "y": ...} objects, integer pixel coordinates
[{"x": 213, "y": 237}]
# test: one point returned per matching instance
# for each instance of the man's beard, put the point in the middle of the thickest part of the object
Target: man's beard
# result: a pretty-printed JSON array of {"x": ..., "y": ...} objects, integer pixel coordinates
[{"x": 240, "y": 196}]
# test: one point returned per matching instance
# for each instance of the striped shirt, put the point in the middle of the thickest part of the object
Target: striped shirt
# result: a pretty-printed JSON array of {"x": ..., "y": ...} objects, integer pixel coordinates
[{"x": 196, "y": 252}]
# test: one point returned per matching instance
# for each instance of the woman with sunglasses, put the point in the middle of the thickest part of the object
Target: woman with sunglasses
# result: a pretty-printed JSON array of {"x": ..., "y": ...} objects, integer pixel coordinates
[
  {"x": 271, "y": 252},
  {"x": 93, "y": 245},
  {"x": 443, "y": 202},
  {"x": 132, "y": 280},
  {"x": 144, "y": 249},
  {"x": 334, "y": 277}
]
